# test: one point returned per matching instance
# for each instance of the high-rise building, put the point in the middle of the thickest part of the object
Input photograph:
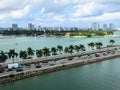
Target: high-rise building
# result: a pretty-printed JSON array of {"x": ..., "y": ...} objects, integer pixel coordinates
[
  {"x": 104, "y": 26},
  {"x": 95, "y": 26},
  {"x": 39, "y": 27},
  {"x": 31, "y": 26},
  {"x": 111, "y": 26},
  {"x": 14, "y": 27}
]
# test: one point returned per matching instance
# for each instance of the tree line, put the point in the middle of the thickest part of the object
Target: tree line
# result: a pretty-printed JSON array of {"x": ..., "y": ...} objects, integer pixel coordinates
[{"x": 73, "y": 32}]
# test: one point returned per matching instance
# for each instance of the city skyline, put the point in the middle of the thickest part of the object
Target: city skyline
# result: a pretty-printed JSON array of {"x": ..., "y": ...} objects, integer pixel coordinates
[
  {"x": 31, "y": 26},
  {"x": 65, "y": 13}
]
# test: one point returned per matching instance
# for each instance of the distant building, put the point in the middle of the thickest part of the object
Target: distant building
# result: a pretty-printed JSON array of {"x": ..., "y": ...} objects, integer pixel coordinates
[
  {"x": 2, "y": 29},
  {"x": 104, "y": 26},
  {"x": 31, "y": 26},
  {"x": 111, "y": 26},
  {"x": 95, "y": 26},
  {"x": 14, "y": 27},
  {"x": 39, "y": 27}
]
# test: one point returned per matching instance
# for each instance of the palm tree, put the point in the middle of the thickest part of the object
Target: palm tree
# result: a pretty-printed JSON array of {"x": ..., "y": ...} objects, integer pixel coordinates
[
  {"x": 71, "y": 48},
  {"x": 66, "y": 50},
  {"x": 82, "y": 47},
  {"x": 60, "y": 48},
  {"x": 30, "y": 52},
  {"x": 77, "y": 48},
  {"x": 3, "y": 57},
  {"x": 46, "y": 51},
  {"x": 98, "y": 45},
  {"x": 23, "y": 54},
  {"x": 112, "y": 42},
  {"x": 39, "y": 53},
  {"x": 12, "y": 54},
  {"x": 54, "y": 51},
  {"x": 91, "y": 44}
]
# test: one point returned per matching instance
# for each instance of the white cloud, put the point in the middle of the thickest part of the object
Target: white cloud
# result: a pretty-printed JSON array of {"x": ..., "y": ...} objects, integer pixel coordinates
[
  {"x": 88, "y": 9},
  {"x": 34, "y": 2},
  {"x": 20, "y": 13},
  {"x": 103, "y": 17},
  {"x": 42, "y": 10},
  {"x": 9, "y": 5},
  {"x": 15, "y": 14},
  {"x": 3, "y": 16},
  {"x": 59, "y": 10},
  {"x": 108, "y": 16},
  {"x": 55, "y": 1}
]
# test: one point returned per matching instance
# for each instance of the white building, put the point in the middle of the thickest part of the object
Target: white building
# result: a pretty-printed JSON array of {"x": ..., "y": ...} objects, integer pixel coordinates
[
  {"x": 111, "y": 26},
  {"x": 95, "y": 26}
]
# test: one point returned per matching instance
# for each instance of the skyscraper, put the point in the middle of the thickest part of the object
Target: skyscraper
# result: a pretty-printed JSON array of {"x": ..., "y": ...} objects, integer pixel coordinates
[
  {"x": 14, "y": 27},
  {"x": 111, "y": 26},
  {"x": 39, "y": 27},
  {"x": 31, "y": 26},
  {"x": 95, "y": 26},
  {"x": 104, "y": 26}
]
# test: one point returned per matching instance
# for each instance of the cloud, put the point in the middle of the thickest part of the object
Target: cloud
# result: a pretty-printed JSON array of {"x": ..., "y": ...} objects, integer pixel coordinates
[
  {"x": 42, "y": 10},
  {"x": 15, "y": 14},
  {"x": 108, "y": 16},
  {"x": 89, "y": 9},
  {"x": 9, "y": 5},
  {"x": 20, "y": 13},
  {"x": 62, "y": 11}
]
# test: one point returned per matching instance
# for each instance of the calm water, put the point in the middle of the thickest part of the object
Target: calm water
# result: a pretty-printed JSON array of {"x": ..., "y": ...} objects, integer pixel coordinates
[
  {"x": 22, "y": 43},
  {"x": 98, "y": 76}
]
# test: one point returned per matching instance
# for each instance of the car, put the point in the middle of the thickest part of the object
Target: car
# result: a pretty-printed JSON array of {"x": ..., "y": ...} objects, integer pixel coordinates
[
  {"x": 2, "y": 69},
  {"x": 44, "y": 61},
  {"x": 19, "y": 69},
  {"x": 20, "y": 65},
  {"x": 37, "y": 65},
  {"x": 36, "y": 62},
  {"x": 28, "y": 65},
  {"x": 10, "y": 69},
  {"x": 70, "y": 58},
  {"x": 104, "y": 54},
  {"x": 97, "y": 55}
]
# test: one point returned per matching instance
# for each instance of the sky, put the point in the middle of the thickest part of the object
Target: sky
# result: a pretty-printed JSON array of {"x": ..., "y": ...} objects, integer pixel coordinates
[{"x": 55, "y": 13}]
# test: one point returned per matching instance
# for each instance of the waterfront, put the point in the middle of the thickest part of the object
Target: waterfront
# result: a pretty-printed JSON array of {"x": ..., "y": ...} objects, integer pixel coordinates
[
  {"x": 98, "y": 76},
  {"x": 74, "y": 83},
  {"x": 22, "y": 43}
]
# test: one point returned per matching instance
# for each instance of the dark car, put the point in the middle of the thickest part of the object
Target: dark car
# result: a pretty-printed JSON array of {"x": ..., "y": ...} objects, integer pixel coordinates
[
  {"x": 97, "y": 55},
  {"x": 28, "y": 65},
  {"x": 2, "y": 69},
  {"x": 70, "y": 58},
  {"x": 20, "y": 65},
  {"x": 37, "y": 65},
  {"x": 19, "y": 69},
  {"x": 10, "y": 69}
]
